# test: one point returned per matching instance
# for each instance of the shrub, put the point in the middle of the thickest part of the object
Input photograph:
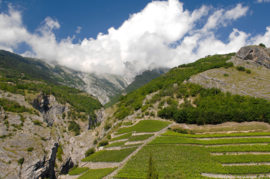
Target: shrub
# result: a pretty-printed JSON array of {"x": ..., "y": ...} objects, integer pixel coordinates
[
  {"x": 103, "y": 143},
  {"x": 240, "y": 68},
  {"x": 107, "y": 126},
  {"x": 59, "y": 153},
  {"x": 248, "y": 71},
  {"x": 95, "y": 142},
  {"x": 73, "y": 126},
  {"x": 63, "y": 115},
  {"x": 226, "y": 75},
  {"x": 30, "y": 149},
  {"x": 109, "y": 136},
  {"x": 36, "y": 122},
  {"x": 262, "y": 45},
  {"x": 20, "y": 161},
  {"x": 89, "y": 152}
]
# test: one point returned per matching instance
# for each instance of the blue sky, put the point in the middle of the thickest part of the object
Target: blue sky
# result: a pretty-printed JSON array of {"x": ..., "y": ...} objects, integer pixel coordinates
[{"x": 66, "y": 31}]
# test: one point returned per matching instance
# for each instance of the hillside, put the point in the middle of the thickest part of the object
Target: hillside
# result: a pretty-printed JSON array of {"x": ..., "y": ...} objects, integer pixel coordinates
[
  {"x": 189, "y": 145},
  {"x": 139, "y": 81},
  {"x": 194, "y": 128}
]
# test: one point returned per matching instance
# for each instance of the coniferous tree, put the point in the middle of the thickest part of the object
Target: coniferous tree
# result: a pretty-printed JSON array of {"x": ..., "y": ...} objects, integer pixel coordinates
[{"x": 152, "y": 171}]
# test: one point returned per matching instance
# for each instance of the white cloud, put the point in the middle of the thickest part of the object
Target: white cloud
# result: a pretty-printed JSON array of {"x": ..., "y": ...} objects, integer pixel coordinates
[
  {"x": 78, "y": 30},
  {"x": 261, "y": 1},
  {"x": 162, "y": 34}
]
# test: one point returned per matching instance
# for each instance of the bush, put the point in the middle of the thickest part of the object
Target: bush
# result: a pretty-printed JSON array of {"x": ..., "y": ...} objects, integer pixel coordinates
[
  {"x": 73, "y": 126},
  {"x": 248, "y": 71},
  {"x": 226, "y": 75},
  {"x": 30, "y": 149},
  {"x": 95, "y": 142},
  {"x": 36, "y": 122},
  {"x": 262, "y": 45},
  {"x": 240, "y": 68},
  {"x": 20, "y": 161},
  {"x": 59, "y": 153},
  {"x": 107, "y": 126},
  {"x": 89, "y": 152},
  {"x": 103, "y": 143}
]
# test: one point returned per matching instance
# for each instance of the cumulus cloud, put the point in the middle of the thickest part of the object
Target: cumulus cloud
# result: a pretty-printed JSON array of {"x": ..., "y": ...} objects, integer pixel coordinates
[
  {"x": 261, "y": 1},
  {"x": 78, "y": 30},
  {"x": 162, "y": 34}
]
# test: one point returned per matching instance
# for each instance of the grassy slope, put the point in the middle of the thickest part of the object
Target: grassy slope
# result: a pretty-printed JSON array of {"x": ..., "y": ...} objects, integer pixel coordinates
[
  {"x": 138, "y": 82},
  {"x": 96, "y": 173},
  {"x": 109, "y": 155},
  {"x": 134, "y": 99},
  {"x": 145, "y": 126},
  {"x": 191, "y": 161}
]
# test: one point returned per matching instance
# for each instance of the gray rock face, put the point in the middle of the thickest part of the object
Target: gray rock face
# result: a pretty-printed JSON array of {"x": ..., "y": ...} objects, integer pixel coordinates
[
  {"x": 254, "y": 53},
  {"x": 49, "y": 107},
  {"x": 255, "y": 84},
  {"x": 2, "y": 114}
]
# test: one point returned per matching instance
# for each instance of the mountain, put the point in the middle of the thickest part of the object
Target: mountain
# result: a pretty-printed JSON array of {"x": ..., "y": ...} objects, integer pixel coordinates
[
  {"x": 48, "y": 129},
  {"x": 102, "y": 86},
  {"x": 139, "y": 81}
]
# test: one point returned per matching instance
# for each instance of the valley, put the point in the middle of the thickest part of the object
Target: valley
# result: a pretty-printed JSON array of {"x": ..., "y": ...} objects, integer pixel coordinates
[{"x": 207, "y": 119}]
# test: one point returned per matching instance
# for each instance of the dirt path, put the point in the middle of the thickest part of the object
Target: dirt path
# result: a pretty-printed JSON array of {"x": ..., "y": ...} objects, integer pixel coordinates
[
  {"x": 241, "y": 153},
  {"x": 98, "y": 165},
  {"x": 246, "y": 164},
  {"x": 212, "y": 175},
  {"x": 121, "y": 140},
  {"x": 213, "y": 138},
  {"x": 135, "y": 142},
  {"x": 122, "y": 164},
  {"x": 142, "y": 133},
  {"x": 220, "y": 145}
]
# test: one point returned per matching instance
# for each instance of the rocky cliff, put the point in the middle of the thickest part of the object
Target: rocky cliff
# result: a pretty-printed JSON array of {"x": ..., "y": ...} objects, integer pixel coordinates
[{"x": 39, "y": 143}]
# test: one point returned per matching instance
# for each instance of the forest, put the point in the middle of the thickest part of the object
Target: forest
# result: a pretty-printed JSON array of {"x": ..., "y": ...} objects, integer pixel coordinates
[{"x": 211, "y": 106}]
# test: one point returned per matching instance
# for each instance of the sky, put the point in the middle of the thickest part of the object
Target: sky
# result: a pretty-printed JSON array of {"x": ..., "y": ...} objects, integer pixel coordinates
[{"x": 101, "y": 36}]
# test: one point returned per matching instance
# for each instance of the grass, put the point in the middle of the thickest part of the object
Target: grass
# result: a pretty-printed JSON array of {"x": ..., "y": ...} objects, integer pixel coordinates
[
  {"x": 129, "y": 123},
  {"x": 190, "y": 160},
  {"x": 140, "y": 137},
  {"x": 97, "y": 173},
  {"x": 145, "y": 126},
  {"x": 115, "y": 144},
  {"x": 255, "y": 169},
  {"x": 249, "y": 158},
  {"x": 183, "y": 140},
  {"x": 171, "y": 133},
  {"x": 125, "y": 136},
  {"x": 78, "y": 170},
  {"x": 109, "y": 155},
  {"x": 240, "y": 148}
]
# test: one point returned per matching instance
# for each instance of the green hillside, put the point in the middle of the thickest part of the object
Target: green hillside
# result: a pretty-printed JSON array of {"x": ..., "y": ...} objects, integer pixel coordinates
[
  {"x": 138, "y": 82},
  {"x": 30, "y": 77},
  {"x": 165, "y": 83}
]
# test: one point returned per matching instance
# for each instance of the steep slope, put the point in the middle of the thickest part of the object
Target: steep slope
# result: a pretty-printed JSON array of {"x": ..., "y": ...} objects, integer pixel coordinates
[
  {"x": 139, "y": 81},
  {"x": 44, "y": 128},
  {"x": 252, "y": 80},
  {"x": 101, "y": 86}
]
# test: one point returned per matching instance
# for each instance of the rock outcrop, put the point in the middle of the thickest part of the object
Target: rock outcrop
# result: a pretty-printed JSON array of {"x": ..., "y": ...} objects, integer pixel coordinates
[
  {"x": 49, "y": 107},
  {"x": 256, "y": 54},
  {"x": 255, "y": 84},
  {"x": 2, "y": 114}
]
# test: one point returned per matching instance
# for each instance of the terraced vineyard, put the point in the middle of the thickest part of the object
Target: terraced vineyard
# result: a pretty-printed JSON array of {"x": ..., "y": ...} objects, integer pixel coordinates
[
  {"x": 128, "y": 141},
  {"x": 241, "y": 155},
  {"x": 234, "y": 155}
]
